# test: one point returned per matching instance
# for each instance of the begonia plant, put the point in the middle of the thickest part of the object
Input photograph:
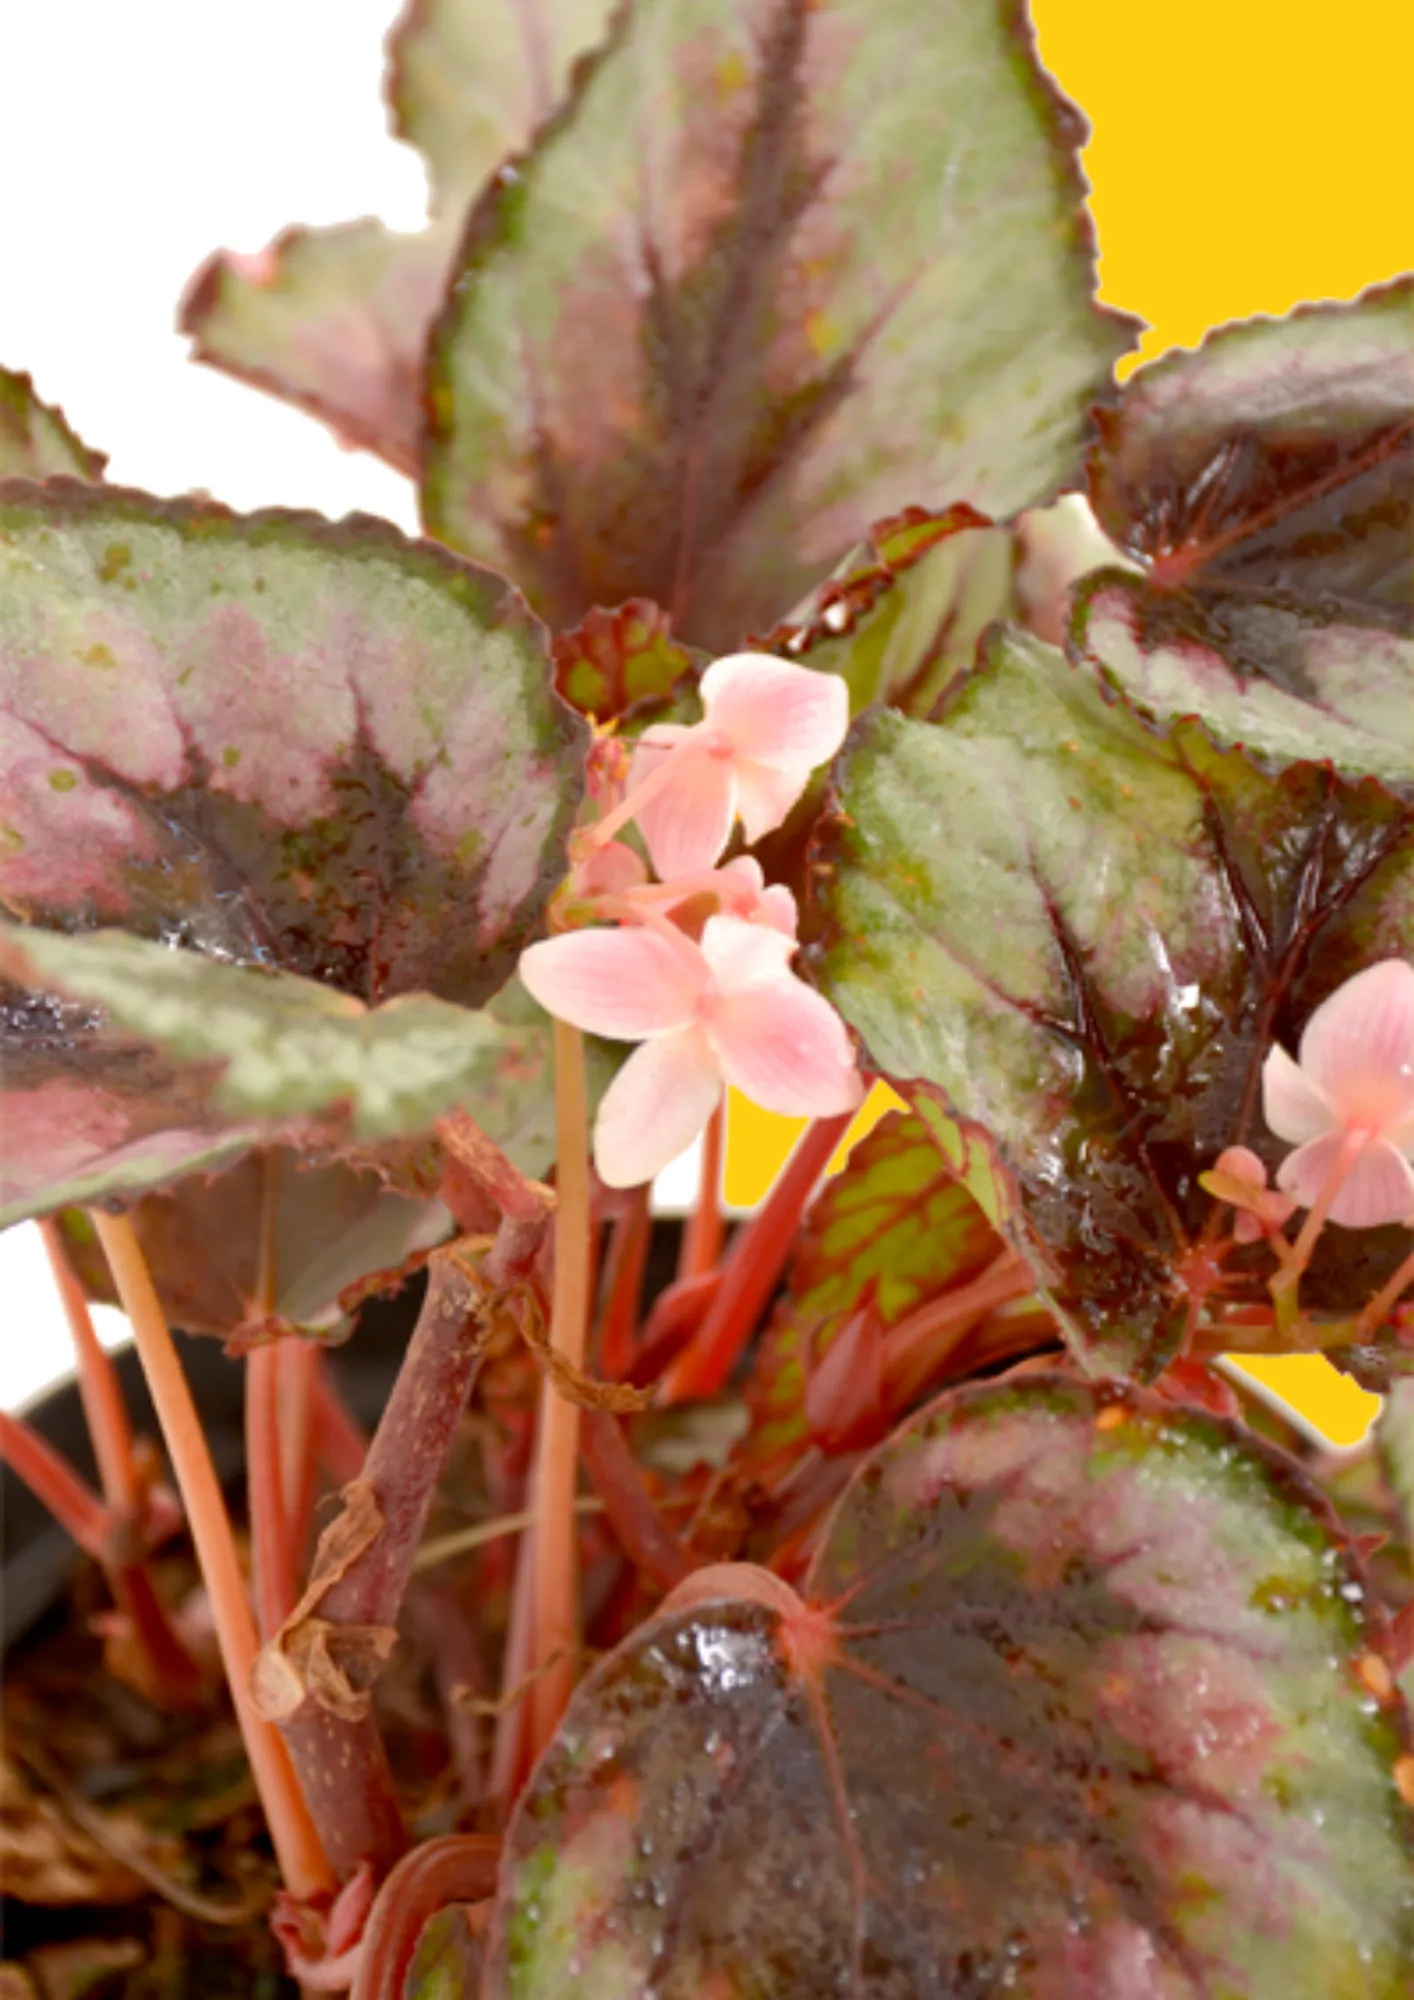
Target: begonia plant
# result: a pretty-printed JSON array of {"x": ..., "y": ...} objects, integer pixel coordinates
[{"x": 818, "y": 679}]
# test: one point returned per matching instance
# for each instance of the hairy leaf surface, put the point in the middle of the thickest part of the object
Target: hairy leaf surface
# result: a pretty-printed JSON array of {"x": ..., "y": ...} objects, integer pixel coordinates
[
  {"x": 319, "y": 747},
  {"x": 130, "y": 1063},
  {"x": 1077, "y": 1703},
  {"x": 1085, "y": 936},
  {"x": 775, "y": 271}
]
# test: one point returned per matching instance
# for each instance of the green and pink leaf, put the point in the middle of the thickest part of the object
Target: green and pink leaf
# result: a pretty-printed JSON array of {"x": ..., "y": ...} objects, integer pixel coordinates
[
  {"x": 772, "y": 273},
  {"x": 1083, "y": 934},
  {"x": 1079, "y": 1699}
]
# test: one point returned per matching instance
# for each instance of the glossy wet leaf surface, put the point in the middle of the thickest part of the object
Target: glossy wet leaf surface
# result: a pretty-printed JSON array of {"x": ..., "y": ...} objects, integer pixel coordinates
[
  {"x": 896, "y": 1227},
  {"x": 35, "y": 440},
  {"x": 1266, "y": 482},
  {"x": 334, "y": 320},
  {"x": 1078, "y": 1706},
  {"x": 901, "y": 616},
  {"x": 775, "y": 273},
  {"x": 332, "y": 1228},
  {"x": 318, "y": 747},
  {"x": 1085, "y": 935},
  {"x": 1161, "y": 654},
  {"x": 136, "y": 1063}
]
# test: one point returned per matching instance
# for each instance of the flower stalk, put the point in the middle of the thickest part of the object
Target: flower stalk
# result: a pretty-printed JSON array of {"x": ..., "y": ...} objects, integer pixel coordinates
[
  {"x": 302, "y": 1859},
  {"x": 556, "y": 1569}
]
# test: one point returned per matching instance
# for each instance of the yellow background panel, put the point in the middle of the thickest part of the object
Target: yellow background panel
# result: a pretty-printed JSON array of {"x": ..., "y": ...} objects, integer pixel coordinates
[{"x": 1247, "y": 155}]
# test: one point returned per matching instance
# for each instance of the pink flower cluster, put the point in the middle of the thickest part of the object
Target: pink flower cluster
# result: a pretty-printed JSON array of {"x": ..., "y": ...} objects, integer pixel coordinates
[
  {"x": 697, "y": 967},
  {"x": 1347, "y": 1105}
]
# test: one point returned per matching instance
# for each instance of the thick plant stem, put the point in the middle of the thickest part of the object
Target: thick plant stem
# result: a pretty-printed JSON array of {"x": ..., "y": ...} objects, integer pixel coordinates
[
  {"x": 297, "y": 1846},
  {"x": 272, "y": 1555},
  {"x": 55, "y": 1484},
  {"x": 340, "y": 1756},
  {"x": 557, "y": 1456},
  {"x": 702, "y": 1232},
  {"x": 753, "y": 1269},
  {"x": 105, "y": 1411}
]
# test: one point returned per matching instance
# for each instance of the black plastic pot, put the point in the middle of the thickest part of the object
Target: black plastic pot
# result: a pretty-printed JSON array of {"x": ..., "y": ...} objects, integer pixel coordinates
[{"x": 37, "y": 1557}]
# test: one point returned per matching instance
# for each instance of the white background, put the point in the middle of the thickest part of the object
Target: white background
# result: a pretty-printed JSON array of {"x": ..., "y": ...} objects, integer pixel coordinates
[{"x": 137, "y": 136}]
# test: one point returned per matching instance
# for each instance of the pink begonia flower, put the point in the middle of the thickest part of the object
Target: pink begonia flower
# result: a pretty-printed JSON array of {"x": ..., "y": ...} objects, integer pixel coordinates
[
  {"x": 741, "y": 891},
  {"x": 610, "y": 870},
  {"x": 727, "y": 1010},
  {"x": 1355, "y": 1075},
  {"x": 766, "y": 725}
]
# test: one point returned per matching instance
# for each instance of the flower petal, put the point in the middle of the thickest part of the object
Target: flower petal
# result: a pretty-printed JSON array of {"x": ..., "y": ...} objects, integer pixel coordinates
[
  {"x": 610, "y": 870},
  {"x": 783, "y": 1045},
  {"x": 1305, "y": 1172},
  {"x": 774, "y": 711},
  {"x": 655, "y": 1107},
  {"x": 777, "y": 908},
  {"x": 687, "y": 824},
  {"x": 740, "y": 954},
  {"x": 1378, "y": 1189},
  {"x": 1358, "y": 1046},
  {"x": 1291, "y": 1104},
  {"x": 625, "y": 983},
  {"x": 743, "y": 893},
  {"x": 766, "y": 792}
]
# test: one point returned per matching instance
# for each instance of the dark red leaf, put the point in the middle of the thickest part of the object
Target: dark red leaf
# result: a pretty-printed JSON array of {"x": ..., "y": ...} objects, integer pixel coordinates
[{"x": 612, "y": 660}]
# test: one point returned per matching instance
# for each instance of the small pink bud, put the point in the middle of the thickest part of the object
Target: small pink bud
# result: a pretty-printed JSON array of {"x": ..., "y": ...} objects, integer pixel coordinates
[{"x": 1239, "y": 1177}]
